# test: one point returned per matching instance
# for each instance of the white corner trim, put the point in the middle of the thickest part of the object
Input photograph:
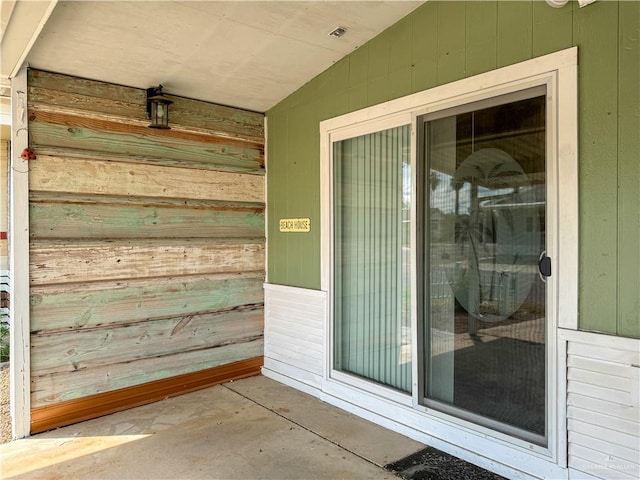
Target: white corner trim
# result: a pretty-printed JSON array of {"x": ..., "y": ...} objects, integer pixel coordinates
[
  {"x": 19, "y": 261},
  {"x": 567, "y": 190},
  {"x": 600, "y": 339},
  {"x": 266, "y": 195},
  {"x": 295, "y": 291}
]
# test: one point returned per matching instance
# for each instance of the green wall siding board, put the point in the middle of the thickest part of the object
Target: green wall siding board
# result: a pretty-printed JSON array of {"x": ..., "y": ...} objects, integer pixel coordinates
[
  {"x": 424, "y": 44},
  {"x": 277, "y": 128},
  {"x": 598, "y": 98},
  {"x": 339, "y": 96},
  {"x": 451, "y": 27},
  {"x": 451, "y": 40},
  {"x": 378, "y": 58},
  {"x": 451, "y": 67},
  {"x": 424, "y": 75},
  {"x": 340, "y": 102},
  {"x": 400, "y": 83},
  {"x": 481, "y": 21},
  {"x": 379, "y": 90},
  {"x": 481, "y": 25},
  {"x": 358, "y": 97},
  {"x": 340, "y": 74},
  {"x": 305, "y": 170},
  {"x": 359, "y": 66},
  {"x": 514, "y": 32},
  {"x": 400, "y": 53},
  {"x": 552, "y": 31},
  {"x": 629, "y": 171}
]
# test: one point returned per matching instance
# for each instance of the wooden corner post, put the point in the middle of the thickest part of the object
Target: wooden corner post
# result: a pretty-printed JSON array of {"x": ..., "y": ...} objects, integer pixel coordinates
[{"x": 19, "y": 259}]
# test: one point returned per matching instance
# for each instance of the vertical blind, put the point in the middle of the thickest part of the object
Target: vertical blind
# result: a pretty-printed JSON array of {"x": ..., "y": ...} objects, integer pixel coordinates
[{"x": 372, "y": 260}]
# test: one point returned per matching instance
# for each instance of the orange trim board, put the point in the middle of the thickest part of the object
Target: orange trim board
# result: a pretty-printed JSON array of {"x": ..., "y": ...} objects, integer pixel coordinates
[{"x": 93, "y": 406}]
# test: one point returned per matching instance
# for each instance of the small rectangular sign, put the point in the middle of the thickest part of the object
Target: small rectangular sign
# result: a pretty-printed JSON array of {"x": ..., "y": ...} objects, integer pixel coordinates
[{"x": 300, "y": 225}]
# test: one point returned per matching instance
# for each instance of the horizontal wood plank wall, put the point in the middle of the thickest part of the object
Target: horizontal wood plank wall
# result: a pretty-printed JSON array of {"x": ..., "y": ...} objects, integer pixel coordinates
[{"x": 147, "y": 246}]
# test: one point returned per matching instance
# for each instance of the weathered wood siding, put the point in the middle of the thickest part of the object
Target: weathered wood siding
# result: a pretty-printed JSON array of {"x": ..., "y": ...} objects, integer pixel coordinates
[{"x": 147, "y": 246}]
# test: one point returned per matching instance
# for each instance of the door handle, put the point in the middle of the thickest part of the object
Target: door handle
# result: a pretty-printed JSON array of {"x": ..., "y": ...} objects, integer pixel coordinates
[{"x": 544, "y": 266}]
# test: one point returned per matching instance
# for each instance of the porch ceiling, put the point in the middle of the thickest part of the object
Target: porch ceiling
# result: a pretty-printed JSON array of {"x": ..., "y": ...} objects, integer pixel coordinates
[{"x": 247, "y": 54}]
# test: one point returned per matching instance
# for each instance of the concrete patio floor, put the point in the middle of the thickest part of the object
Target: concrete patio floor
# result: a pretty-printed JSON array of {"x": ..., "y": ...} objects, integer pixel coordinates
[{"x": 254, "y": 428}]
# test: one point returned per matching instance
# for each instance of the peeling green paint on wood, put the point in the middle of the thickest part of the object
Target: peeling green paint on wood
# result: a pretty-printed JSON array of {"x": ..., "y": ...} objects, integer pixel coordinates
[
  {"x": 189, "y": 203},
  {"x": 92, "y": 96},
  {"x": 89, "y": 177},
  {"x": 58, "y": 387},
  {"x": 78, "y": 306},
  {"x": 99, "y": 220},
  {"x": 147, "y": 247},
  {"x": 60, "y": 261},
  {"x": 166, "y": 150},
  {"x": 95, "y": 347}
]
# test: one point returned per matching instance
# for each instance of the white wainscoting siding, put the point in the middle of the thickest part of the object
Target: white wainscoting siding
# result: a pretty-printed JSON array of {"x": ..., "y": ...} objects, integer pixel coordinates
[
  {"x": 602, "y": 396},
  {"x": 603, "y": 405},
  {"x": 294, "y": 335},
  {"x": 295, "y": 345}
]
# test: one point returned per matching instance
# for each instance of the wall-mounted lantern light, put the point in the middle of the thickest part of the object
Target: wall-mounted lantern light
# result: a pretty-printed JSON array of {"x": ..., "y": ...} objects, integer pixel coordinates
[{"x": 158, "y": 108}]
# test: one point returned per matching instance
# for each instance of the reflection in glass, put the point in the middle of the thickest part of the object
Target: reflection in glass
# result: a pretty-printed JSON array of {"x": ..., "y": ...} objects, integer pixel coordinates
[{"x": 484, "y": 300}]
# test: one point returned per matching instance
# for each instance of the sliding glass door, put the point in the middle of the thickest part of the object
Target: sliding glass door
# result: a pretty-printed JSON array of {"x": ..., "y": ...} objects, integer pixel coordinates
[
  {"x": 483, "y": 307},
  {"x": 478, "y": 260}
]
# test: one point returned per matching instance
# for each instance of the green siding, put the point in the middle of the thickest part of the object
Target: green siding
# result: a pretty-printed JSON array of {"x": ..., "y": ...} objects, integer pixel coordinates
[
  {"x": 514, "y": 32},
  {"x": 441, "y": 42},
  {"x": 629, "y": 171},
  {"x": 481, "y": 46},
  {"x": 597, "y": 123}
]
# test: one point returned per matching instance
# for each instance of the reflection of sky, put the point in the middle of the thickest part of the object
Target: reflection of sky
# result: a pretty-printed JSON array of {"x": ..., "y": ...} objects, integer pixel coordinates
[{"x": 444, "y": 196}]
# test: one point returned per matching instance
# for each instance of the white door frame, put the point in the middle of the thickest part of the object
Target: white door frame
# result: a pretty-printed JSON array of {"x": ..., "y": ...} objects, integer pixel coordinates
[{"x": 558, "y": 71}]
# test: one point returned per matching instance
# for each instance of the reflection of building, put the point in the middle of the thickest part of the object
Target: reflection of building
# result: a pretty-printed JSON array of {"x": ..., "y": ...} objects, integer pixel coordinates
[
  {"x": 522, "y": 210},
  {"x": 437, "y": 223}
]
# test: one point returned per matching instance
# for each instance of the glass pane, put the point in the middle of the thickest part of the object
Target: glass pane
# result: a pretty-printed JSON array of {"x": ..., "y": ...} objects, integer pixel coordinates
[
  {"x": 485, "y": 231},
  {"x": 372, "y": 185}
]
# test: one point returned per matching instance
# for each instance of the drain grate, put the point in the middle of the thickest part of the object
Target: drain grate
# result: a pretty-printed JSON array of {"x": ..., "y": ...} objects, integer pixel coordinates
[{"x": 432, "y": 464}]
